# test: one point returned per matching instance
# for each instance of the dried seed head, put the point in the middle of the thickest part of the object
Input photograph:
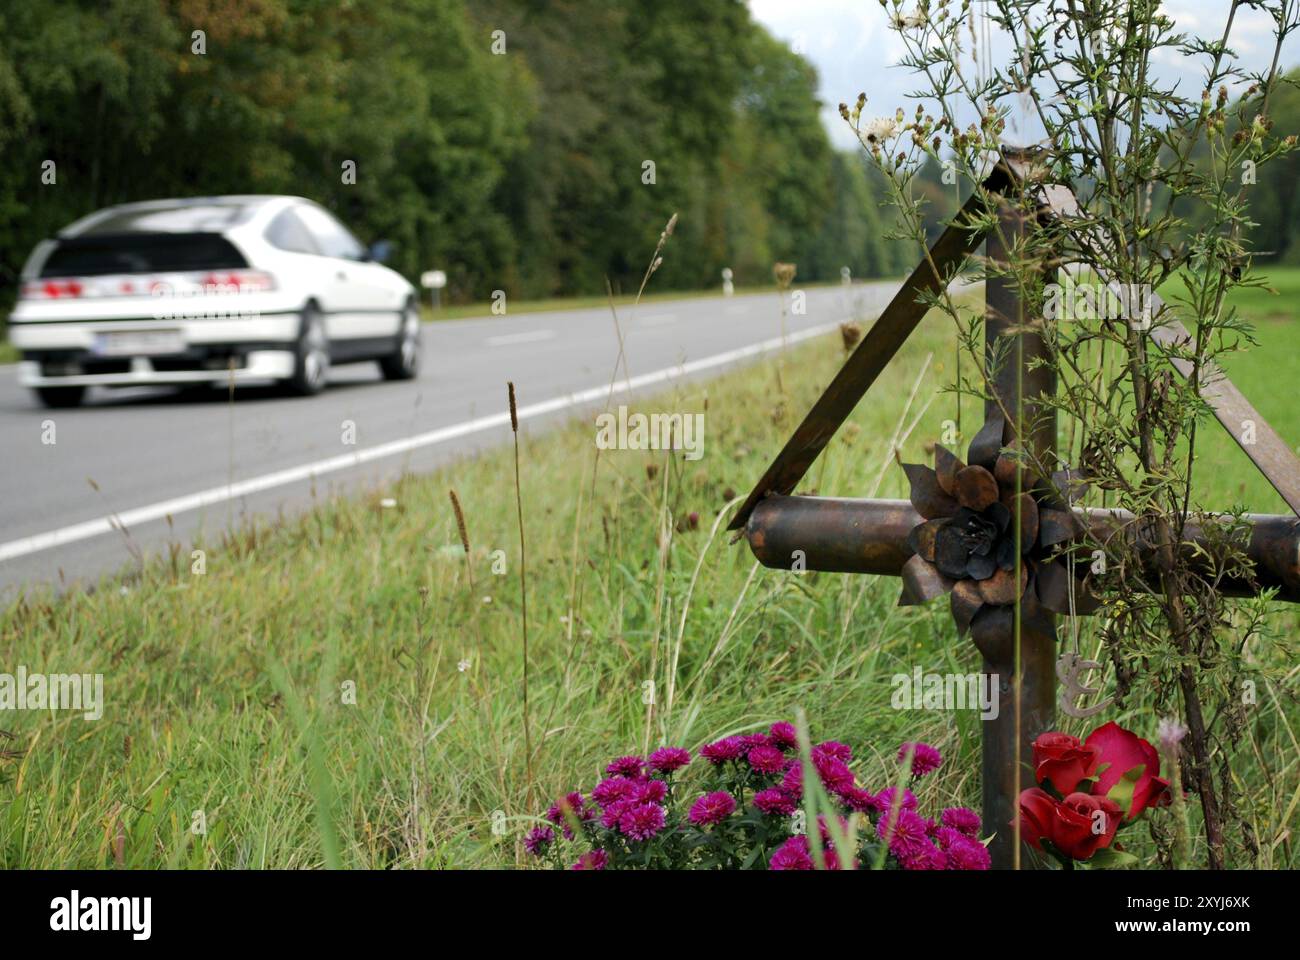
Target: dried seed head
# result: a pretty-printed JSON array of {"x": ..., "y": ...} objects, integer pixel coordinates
[
  {"x": 460, "y": 520},
  {"x": 514, "y": 413},
  {"x": 784, "y": 274},
  {"x": 672, "y": 224}
]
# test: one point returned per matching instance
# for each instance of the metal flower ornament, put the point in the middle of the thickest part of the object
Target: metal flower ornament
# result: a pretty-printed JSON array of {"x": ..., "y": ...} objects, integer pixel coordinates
[{"x": 990, "y": 541}]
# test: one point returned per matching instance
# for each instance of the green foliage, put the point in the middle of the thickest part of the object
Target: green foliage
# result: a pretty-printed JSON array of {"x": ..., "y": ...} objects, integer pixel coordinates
[{"x": 520, "y": 171}]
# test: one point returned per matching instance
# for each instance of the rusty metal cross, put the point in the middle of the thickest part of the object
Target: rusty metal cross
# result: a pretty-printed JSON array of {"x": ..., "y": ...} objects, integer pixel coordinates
[{"x": 1011, "y": 614}]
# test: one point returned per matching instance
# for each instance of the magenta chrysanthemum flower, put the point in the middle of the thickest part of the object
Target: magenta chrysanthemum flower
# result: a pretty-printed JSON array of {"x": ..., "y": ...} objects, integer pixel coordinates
[
  {"x": 792, "y": 855},
  {"x": 613, "y": 790},
  {"x": 595, "y": 860},
  {"x": 712, "y": 808},
  {"x": 886, "y": 799},
  {"x": 784, "y": 735},
  {"x": 626, "y": 767},
  {"x": 775, "y": 802},
  {"x": 538, "y": 839},
  {"x": 925, "y": 857},
  {"x": 836, "y": 776},
  {"x": 833, "y": 748},
  {"x": 963, "y": 819},
  {"x": 751, "y": 740},
  {"x": 570, "y": 806},
  {"x": 925, "y": 758},
  {"x": 947, "y": 836},
  {"x": 650, "y": 791},
  {"x": 905, "y": 833},
  {"x": 613, "y": 813},
  {"x": 860, "y": 800},
  {"x": 967, "y": 854},
  {"x": 766, "y": 759},
  {"x": 668, "y": 759},
  {"x": 792, "y": 782},
  {"x": 641, "y": 821},
  {"x": 719, "y": 752}
]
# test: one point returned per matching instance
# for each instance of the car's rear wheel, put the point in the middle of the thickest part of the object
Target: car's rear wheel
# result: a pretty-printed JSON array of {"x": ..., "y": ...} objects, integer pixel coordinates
[
  {"x": 311, "y": 355},
  {"x": 60, "y": 397},
  {"x": 404, "y": 362}
]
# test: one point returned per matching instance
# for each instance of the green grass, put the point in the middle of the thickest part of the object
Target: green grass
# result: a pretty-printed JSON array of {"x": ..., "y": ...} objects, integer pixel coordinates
[{"x": 224, "y": 690}]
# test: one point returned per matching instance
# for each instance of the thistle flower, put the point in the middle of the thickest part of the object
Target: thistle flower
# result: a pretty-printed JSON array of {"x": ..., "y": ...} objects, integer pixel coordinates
[
  {"x": 879, "y": 130},
  {"x": 1170, "y": 733}
]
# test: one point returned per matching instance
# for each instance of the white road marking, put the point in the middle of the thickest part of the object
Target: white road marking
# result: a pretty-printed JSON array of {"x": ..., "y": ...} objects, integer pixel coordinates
[
  {"x": 531, "y": 336},
  {"x": 658, "y": 320},
  {"x": 307, "y": 471}
]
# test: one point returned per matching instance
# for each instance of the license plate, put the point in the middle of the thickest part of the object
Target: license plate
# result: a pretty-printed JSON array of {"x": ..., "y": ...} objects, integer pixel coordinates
[{"x": 137, "y": 343}]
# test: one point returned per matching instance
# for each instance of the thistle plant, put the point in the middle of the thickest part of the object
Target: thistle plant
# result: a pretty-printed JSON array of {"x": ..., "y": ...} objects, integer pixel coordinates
[{"x": 1161, "y": 234}]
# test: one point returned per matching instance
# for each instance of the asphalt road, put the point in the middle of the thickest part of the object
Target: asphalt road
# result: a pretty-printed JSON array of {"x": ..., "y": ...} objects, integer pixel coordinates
[{"x": 209, "y": 463}]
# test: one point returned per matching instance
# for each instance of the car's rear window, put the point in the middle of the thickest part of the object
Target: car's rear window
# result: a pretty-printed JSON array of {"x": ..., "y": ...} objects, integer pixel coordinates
[
  {"x": 140, "y": 253},
  {"x": 187, "y": 218}
]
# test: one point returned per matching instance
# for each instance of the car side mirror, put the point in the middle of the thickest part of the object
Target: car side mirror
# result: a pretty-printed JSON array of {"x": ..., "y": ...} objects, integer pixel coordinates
[{"x": 379, "y": 251}]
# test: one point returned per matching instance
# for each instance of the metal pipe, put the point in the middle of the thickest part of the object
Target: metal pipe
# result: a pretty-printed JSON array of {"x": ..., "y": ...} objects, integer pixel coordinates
[{"x": 843, "y": 535}]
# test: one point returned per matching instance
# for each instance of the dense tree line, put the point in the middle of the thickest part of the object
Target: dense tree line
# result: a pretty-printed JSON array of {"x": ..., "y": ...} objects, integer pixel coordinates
[{"x": 516, "y": 159}]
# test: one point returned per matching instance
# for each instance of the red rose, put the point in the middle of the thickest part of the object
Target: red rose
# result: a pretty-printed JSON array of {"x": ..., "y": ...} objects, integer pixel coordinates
[
  {"x": 1077, "y": 826},
  {"x": 1124, "y": 750},
  {"x": 1061, "y": 760}
]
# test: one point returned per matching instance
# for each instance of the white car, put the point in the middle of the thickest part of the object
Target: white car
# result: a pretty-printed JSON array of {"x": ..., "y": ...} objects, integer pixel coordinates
[{"x": 208, "y": 290}]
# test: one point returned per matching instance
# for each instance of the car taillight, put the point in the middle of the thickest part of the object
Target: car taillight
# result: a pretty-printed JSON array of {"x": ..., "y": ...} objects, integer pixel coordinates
[
  {"x": 237, "y": 281},
  {"x": 209, "y": 282},
  {"x": 52, "y": 289}
]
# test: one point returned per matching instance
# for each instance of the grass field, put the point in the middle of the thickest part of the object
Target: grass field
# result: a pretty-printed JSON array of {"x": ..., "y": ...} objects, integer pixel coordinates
[{"x": 225, "y": 692}]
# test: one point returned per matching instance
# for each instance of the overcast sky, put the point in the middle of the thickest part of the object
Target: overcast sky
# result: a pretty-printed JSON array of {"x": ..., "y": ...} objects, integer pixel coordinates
[{"x": 854, "y": 51}]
